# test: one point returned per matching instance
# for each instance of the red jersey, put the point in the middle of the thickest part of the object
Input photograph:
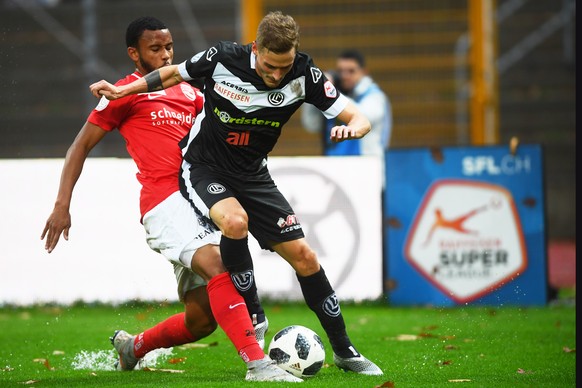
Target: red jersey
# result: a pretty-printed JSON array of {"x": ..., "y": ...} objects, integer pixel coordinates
[{"x": 152, "y": 124}]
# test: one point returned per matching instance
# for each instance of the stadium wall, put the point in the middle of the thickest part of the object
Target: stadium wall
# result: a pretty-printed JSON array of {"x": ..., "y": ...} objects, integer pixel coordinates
[{"x": 106, "y": 259}]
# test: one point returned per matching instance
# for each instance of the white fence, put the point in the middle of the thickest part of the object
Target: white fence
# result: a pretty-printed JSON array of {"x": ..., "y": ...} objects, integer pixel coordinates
[{"x": 106, "y": 259}]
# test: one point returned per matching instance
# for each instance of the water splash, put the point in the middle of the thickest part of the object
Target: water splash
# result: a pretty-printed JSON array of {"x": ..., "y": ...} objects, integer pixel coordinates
[
  {"x": 94, "y": 360},
  {"x": 104, "y": 360}
]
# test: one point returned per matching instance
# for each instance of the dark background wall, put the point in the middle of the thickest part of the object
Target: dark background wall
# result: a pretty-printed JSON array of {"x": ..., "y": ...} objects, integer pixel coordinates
[{"x": 412, "y": 47}]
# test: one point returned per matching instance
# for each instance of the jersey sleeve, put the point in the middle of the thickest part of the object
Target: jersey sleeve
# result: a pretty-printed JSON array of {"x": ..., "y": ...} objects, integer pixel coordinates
[
  {"x": 199, "y": 102},
  {"x": 201, "y": 64},
  {"x": 108, "y": 115},
  {"x": 322, "y": 93}
]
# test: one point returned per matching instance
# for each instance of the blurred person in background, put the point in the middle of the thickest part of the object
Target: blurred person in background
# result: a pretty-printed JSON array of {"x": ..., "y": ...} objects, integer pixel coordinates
[
  {"x": 351, "y": 78},
  {"x": 152, "y": 125}
]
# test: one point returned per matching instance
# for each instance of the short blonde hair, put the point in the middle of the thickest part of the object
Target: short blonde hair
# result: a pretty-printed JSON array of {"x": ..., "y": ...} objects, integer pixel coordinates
[{"x": 278, "y": 33}]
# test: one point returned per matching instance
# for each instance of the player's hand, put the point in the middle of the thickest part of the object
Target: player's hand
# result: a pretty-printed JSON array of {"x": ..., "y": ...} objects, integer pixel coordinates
[
  {"x": 58, "y": 222},
  {"x": 342, "y": 132},
  {"x": 104, "y": 88}
]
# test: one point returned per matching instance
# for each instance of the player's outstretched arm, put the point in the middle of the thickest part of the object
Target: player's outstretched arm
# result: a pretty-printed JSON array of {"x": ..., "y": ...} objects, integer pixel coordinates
[
  {"x": 159, "y": 79},
  {"x": 59, "y": 222},
  {"x": 357, "y": 125}
]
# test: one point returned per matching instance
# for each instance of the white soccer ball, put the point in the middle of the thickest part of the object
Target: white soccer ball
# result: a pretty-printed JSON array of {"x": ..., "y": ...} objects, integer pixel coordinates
[{"x": 298, "y": 350}]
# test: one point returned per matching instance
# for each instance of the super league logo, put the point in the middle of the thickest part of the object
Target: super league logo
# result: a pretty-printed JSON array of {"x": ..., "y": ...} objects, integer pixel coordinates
[{"x": 467, "y": 238}]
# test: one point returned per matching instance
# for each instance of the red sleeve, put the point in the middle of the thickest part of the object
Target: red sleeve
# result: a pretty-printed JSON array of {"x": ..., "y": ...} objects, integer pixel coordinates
[
  {"x": 199, "y": 101},
  {"x": 109, "y": 114}
]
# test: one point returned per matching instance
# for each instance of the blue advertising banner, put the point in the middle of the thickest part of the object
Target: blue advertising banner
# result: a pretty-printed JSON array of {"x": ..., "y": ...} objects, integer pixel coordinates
[{"x": 465, "y": 225}]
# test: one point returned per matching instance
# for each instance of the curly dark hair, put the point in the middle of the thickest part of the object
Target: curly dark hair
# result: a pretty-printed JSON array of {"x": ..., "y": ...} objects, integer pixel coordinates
[{"x": 136, "y": 28}]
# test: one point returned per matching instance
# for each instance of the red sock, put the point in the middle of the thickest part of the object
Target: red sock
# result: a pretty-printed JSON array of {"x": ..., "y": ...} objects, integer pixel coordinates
[
  {"x": 230, "y": 311},
  {"x": 166, "y": 334}
]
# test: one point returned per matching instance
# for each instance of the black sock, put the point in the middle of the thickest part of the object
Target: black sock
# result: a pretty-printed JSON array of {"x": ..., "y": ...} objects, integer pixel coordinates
[
  {"x": 321, "y": 298},
  {"x": 238, "y": 262}
]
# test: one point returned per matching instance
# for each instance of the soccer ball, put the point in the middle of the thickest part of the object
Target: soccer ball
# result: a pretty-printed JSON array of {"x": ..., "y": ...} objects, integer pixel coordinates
[{"x": 297, "y": 350}]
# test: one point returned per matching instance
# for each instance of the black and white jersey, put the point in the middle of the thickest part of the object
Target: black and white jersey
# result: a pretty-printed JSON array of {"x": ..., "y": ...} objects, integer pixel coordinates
[{"x": 242, "y": 117}]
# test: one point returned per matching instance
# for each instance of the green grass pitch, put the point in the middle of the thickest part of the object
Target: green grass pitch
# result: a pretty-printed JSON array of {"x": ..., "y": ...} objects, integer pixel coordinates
[{"x": 68, "y": 346}]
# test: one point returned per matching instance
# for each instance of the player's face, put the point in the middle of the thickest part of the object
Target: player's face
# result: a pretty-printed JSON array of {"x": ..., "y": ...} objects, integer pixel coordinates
[
  {"x": 350, "y": 73},
  {"x": 271, "y": 67},
  {"x": 155, "y": 49}
]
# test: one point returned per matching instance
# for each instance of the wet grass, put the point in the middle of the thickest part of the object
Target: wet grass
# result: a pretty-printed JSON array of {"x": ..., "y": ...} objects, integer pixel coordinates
[{"x": 57, "y": 346}]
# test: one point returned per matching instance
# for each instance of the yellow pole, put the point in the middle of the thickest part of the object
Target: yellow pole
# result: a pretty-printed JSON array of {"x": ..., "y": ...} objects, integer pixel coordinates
[
  {"x": 251, "y": 12},
  {"x": 484, "y": 104}
]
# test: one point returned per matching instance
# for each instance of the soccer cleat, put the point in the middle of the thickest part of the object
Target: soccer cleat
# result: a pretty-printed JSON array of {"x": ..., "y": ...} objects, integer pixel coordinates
[
  {"x": 358, "y": 364},
  {"x": 267, "y": 370},
  {"x": 123, "y": 343},
  {"x": 260, "y": 330}
]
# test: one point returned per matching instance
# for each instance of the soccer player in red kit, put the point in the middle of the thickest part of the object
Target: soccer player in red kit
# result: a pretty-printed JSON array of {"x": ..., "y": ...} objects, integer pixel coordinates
[{"x": 152, "y": 124}]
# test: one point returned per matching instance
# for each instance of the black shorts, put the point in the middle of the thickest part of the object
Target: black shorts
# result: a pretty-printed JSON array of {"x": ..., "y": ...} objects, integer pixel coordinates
[{"x": 271, "y": 218}]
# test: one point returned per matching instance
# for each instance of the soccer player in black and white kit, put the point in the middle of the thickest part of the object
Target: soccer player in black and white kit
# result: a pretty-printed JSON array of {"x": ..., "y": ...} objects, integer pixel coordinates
[{"x": 251, "y": 91}]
